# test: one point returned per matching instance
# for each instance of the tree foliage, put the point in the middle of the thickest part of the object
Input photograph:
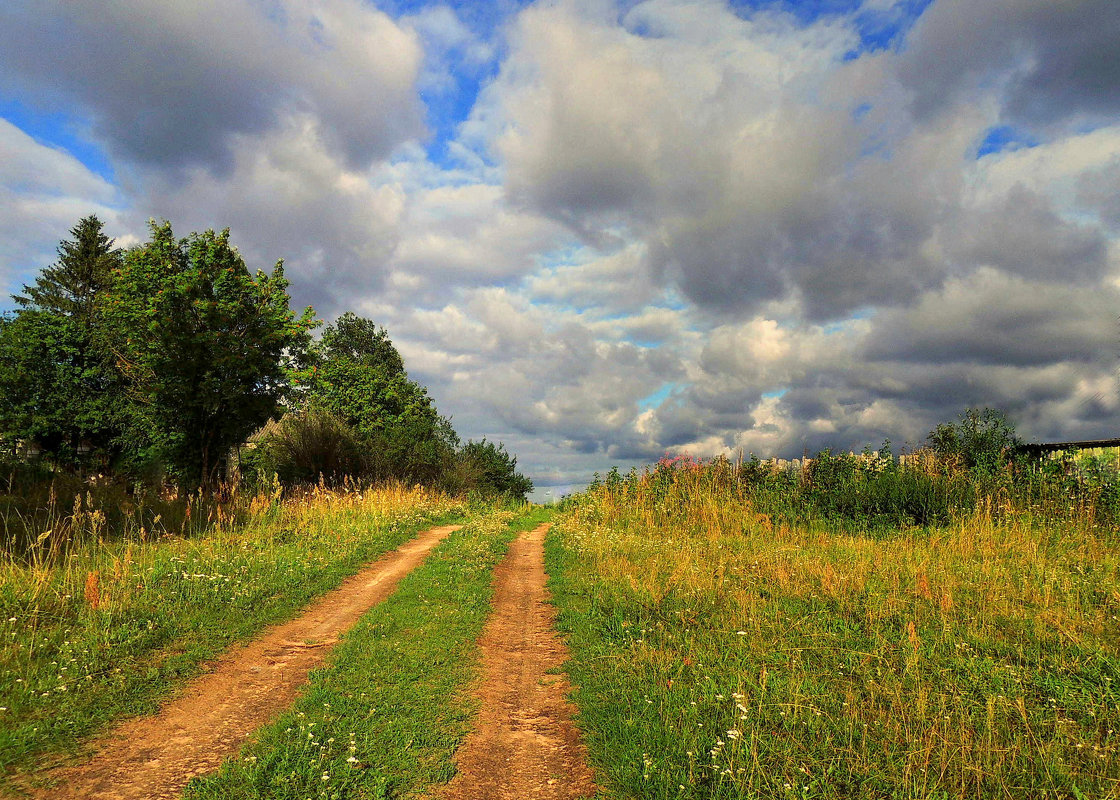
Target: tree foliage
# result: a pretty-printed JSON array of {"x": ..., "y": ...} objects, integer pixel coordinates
[
  {"x": 58, "y": 387},
  {"x": 359, "y": 377},
  {"x": 73, "y": 285},
  {"x": 164, "y": 358},
  {"x": 205, "y": 346},
  {"x": 495, "y": 469}
]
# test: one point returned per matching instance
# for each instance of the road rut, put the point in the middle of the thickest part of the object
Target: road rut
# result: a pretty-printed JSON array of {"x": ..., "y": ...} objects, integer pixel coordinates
[
  {"x": 154, "y": 757},
  {"x": 524, "y": 744}
]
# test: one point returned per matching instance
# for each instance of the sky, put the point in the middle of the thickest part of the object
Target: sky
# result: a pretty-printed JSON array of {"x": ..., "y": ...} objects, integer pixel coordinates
[{"x": 602, "y": 232}]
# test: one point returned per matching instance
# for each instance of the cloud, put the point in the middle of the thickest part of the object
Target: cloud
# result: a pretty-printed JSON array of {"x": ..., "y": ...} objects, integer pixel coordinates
[
  {"x": 1055, "y": 64},
  {"x": 170, "y": 85},
  {"x": 990, "y": 317},
  {"x": 43, "y": 193},
  {"x": 287, "y": 195},
  {"x": 1022, "y": 234},
  {"x": 740, "y": 152},
  {"x": 662, "y": 225}
]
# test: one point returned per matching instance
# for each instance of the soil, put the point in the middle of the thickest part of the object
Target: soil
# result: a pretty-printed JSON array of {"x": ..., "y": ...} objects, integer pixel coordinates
[
  {"x": 524, "y": 744},
  {"x": 154, "y": 757}
]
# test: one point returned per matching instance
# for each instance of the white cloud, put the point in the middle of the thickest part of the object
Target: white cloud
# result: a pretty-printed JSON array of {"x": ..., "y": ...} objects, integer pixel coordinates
[
  {"x": 44, "y": 191},
  {"x": 682, "y": 228}
]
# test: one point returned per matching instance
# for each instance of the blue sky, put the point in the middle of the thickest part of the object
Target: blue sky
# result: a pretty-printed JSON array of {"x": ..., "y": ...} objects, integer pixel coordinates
[{"x": 602, "y": 231}]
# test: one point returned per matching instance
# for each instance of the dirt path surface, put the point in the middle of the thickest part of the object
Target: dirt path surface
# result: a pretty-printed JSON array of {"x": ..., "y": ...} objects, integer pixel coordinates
[
  {"x": 155, "y": 757},
  {"x": 524, "y": 745}
]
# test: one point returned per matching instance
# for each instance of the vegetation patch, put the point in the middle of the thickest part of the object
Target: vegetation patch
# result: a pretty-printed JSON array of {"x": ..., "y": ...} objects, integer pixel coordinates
[
  {"x": 384, "y": 717},
  {"x": 721, "y": 652},
  {"x": 96, "y": 630}
]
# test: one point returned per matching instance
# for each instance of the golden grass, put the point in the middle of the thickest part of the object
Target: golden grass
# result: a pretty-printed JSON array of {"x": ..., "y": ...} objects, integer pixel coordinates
[{"x": 979, "y": 659}]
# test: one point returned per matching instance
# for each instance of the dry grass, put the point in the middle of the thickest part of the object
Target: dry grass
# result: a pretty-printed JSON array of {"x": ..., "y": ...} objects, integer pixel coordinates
[
  {"x": 93, "y": 626},
  {"x": 721, "y": 654}
]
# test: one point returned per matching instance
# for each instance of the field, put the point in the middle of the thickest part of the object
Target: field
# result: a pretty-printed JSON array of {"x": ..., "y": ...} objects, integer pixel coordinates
[
  {"x": 99, "y": 623},
  {"x": 722, "y": 652},
  {"x": 735, "y": 631}
]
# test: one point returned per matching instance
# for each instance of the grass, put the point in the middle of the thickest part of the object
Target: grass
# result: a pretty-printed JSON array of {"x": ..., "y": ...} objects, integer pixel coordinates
[
  {"x": 91, "y": 630},
  {"x": 720, "y": 654},
  {"x": 383, "y": 718}
]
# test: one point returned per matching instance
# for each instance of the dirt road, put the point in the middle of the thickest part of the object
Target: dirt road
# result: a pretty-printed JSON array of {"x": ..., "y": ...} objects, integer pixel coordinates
[
  {"x": 524, "y": 745},
  {"x": 154, "y": 757}
]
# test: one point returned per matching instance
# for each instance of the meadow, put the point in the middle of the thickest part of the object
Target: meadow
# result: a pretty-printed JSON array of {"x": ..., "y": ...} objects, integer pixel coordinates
[
  {"x": 110, "y": 608},
  {"x": 742, "y": 632}
]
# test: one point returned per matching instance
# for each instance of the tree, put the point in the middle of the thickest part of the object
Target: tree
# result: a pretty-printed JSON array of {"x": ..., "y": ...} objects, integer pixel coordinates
[
  {"x": 57, "y": 382},
  {"x": 496, "y": 470},
  {"x": 72, "y": 286},
  {"x": 206, "y": 347},
  {"x": 361, "y": 341},
  {"x": 359, "y": 377},
  {"x": 982, "y": 440}
]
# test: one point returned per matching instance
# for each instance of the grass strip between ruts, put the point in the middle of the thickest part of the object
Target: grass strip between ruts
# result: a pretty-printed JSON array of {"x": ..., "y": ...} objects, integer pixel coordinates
[
  {"x": 66, "y": 671},
  {"x": 384, "y": 716}
]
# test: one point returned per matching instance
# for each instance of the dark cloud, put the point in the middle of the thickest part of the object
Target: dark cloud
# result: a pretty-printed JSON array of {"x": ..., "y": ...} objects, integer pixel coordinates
[
  {"x": 1099, "y": 191},
  {"x": 1057, "y": 62},
  {"x": 993, "y": 318},
  {"x": 170, "y": 84},
  {"x": 1022, "y": 234}
]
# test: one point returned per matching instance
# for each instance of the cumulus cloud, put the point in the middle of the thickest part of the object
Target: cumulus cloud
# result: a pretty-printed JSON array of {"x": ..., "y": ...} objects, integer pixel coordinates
[
  {"x": 744, "y": 153},
  {"x": 662, "y": 225},
  {"x": 994, "y": 318},
  {"x": 43, "y": 192},
  {"x": 1056, "y": 63},
  {"x": 171, "y": 84},
  {"x": 287, "y": 196}
]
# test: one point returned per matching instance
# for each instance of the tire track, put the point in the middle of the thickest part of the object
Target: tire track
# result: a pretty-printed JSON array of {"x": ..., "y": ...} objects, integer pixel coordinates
[
  {"x": 154, "y": 757},
  {"x": 524, "y": 744}
]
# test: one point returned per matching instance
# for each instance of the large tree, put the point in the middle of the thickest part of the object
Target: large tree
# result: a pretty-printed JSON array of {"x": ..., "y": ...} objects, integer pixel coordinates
[
  {"x": 72, "y": 286},
  {"x": 206, "y": 347},
  {"x": 58, "y": 387}
]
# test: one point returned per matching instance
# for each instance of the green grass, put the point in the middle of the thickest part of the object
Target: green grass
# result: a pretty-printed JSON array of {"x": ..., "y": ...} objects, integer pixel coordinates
[
  {"x": 718, "y": 655},
  {"x": 102, "y": 631},
  {"x": 384, "y": 716}
]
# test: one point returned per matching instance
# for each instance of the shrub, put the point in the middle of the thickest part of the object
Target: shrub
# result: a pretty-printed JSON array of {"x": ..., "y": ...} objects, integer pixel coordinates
[
  {"x": 983, "y": 440},
  {"x": 305, "y": 448}
]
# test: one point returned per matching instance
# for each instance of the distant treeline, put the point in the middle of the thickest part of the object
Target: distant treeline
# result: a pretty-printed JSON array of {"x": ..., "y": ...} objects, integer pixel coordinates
[{"x": 156, "y": 362}]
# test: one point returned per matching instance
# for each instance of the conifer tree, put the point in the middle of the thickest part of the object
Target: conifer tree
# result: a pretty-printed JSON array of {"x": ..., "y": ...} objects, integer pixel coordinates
[
  {"x": 58, "y": 386},
  {"x": 84, "y": 270}
]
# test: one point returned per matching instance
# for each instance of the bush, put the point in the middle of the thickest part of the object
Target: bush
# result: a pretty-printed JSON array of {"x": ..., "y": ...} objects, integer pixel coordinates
[
  {"x": 870, "y": 492},
  {"x": 305, "y": 448},
  {"x": 489, "y": 469},
  {"x": 984, "y": 440}
]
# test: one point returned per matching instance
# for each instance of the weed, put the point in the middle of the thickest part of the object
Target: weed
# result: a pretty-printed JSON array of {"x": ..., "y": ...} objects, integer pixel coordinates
[
  {"x": 384, "y": 717},
  {"x": 101, "y": 628}
]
